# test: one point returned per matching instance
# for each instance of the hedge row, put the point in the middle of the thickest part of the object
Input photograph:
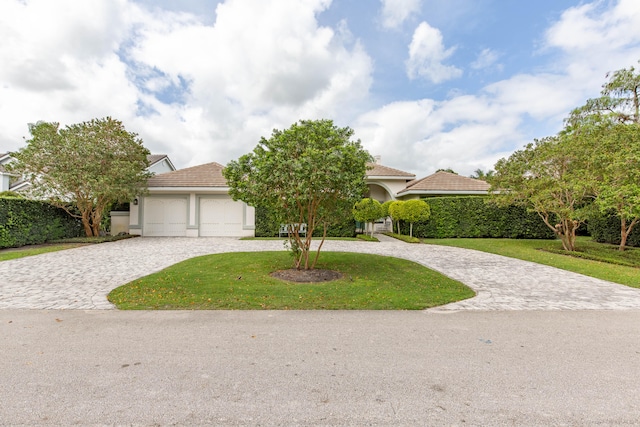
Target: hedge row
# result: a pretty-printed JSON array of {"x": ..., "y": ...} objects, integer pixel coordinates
[
  {"x": 606, "y": 229},
  {"x": 268, "y": 226},
  {"x": 450, "y": 217},
  {"x": 29, "y": 222},
  {"x": 475, "y": 217}
]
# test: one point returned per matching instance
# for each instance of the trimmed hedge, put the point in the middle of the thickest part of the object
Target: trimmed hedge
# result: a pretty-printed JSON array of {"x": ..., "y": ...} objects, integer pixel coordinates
[
  {"x": 473, "y": 216},
  {"x": 268, "y": 226},
  {"x": 606, "y": 229},
  {"x": 31, "y": 222}
]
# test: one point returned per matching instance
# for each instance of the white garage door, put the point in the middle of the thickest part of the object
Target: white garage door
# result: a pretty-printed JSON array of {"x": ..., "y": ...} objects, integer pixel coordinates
[
  {"x": 220, "y": 217},
  {"x": 165, "y": 216}
]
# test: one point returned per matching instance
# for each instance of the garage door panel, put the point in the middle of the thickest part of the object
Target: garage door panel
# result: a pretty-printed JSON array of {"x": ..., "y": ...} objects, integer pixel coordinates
[
  {"x": 165, "y": 217},
  {"x": 220, "y": 217}
]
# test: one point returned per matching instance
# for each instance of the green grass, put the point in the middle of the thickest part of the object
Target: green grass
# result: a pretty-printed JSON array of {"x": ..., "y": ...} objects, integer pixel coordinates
[
  {"x": 241, "y": 281},
  {"x": 56, "y": 245},
  {"x": 367, "y": 238},
  {"x": 15, "y": 253},
  {"x": 591, "y": 259},
  {"x": 407, "y": 239}
]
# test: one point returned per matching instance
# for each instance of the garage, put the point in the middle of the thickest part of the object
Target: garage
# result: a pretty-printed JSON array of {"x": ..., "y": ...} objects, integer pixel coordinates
[
  {"x": 191, "y": 202},
  {"x": 221, "y": 216},
  {"x": 165, "y": 216}
]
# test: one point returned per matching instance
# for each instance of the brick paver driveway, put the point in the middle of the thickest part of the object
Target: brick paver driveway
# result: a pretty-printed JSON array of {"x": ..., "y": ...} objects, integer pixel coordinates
[{"x": 81, "y": 278}]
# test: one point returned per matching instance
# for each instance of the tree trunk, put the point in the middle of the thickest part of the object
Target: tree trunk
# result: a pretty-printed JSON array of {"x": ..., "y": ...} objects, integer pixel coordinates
[
  {"x": 625, "y": 231},
  {"x": 86, "y": 224},
  {"x": 411, "y": 230}
]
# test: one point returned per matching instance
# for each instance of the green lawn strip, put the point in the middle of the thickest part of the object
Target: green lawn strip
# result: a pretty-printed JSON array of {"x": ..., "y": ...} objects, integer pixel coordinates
[
  {"x": 241, "y": 281},
  {"x": 592, "y": 259},
  {"x": 15, "y": 253},
  {"x": 406, "y": 239}
]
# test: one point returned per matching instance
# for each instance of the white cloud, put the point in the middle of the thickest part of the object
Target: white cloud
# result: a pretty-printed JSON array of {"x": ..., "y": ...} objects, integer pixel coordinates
[
  {"x": 197, "y": 89},
  {"x": 427, "y": 54},
  {"x": 470, "y": 131},
  {"x": 487, "y": 58},
  {"x": 395, "y": 12}
]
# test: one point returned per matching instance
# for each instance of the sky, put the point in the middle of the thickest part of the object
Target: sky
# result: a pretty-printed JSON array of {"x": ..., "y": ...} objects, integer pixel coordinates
[{"x": 425, "y": 84}]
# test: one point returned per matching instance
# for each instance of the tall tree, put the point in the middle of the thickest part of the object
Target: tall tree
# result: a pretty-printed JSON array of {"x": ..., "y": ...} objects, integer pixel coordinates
[
  {"x": 612, "y": 167},
  {"x": 310, "y": 173},
  {"x": 546, "y": 177},
  {"x": 620, "y": 98},
  {"x": 368, "y": 211},
  {"x": 608, "y": 130},
  {"x": 89, "y": 165},
  {"x": 481, "y": 174}
]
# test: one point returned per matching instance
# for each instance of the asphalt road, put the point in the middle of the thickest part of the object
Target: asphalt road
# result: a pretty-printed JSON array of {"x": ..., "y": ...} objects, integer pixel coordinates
[{"x": 319, "y": 368}]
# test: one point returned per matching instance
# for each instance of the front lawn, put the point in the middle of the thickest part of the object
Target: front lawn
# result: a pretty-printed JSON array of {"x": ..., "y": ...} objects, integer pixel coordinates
[
  {"x": 591, "y": 259},
  {"x": 241, "y": 281},
  {"x": 15, "y": 253}
]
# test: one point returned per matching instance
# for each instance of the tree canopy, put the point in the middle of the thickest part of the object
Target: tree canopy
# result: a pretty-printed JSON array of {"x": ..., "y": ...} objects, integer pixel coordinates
[
  {"x": 368, "y": 210},
  {"x": 88, "y": 166},
  {"x": 593, "y": 163},
  {"x": 608, "y": 130},
  {"x": 546, "y": 177},
  {"x": 310, "y": 173},
  {"x": 413, "y": 211}
]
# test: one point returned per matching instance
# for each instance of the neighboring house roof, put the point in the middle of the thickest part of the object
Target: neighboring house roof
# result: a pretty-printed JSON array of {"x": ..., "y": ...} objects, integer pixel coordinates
[
  {"x": 378, "y": 170},
  {"x": 207, "y": 175},
  {"x": 446, "y": 183},
  {"x": 157, "y": 158}
]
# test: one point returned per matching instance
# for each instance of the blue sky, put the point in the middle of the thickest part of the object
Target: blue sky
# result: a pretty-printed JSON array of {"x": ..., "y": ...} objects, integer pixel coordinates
[{"x": 425, "y": 84}]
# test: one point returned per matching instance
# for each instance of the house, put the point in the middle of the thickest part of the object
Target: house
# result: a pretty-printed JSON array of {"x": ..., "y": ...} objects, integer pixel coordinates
[
  {"x": 195, "y": 201},
  {"x": 5, "y": 176},
  {"x": 386, "y": 183},
  {"x": 444, "y": 183},
  {"x": 158, "y": 163},
  {"x": 190, "y": 202}
]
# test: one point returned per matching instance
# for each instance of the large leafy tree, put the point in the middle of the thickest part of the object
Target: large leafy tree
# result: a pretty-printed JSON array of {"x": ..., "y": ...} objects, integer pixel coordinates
[
  {"x": 88, "y": 166},
  {"x": 620, "y": 98},
  {"x": 310, "y": 173},
  {"x": 547, "y": 177},
  {"x": 608, "y": 130},
  {"x": 368, "y": 210}
]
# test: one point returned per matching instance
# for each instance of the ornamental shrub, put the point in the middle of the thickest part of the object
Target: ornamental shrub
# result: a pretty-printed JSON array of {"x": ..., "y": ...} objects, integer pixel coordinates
[{"x": 31, "y": 222}]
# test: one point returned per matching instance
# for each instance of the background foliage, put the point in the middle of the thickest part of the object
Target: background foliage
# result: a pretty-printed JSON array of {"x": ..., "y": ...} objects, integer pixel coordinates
[
  {"x": 29, "y": 222},
  {"x": 476, "y": 217},
  {"x": 268, "y": 225},
  {"x": 605, "y": 228}
]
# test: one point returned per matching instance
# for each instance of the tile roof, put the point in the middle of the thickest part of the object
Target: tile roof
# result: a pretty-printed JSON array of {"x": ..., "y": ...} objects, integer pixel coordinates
[
  {"x": 446, "y": 181},
  {"x": 155, "y": 158},
  {"x": 379, "y": 170},
  {"x": 207, "y": 175}
]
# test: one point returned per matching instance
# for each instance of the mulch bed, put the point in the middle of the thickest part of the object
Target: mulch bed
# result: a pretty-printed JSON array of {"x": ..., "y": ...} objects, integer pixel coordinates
[{"x": 307, "y": 276}]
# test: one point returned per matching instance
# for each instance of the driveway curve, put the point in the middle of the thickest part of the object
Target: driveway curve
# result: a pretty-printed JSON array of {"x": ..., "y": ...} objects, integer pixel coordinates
[{"x": 81, "y": 278}]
